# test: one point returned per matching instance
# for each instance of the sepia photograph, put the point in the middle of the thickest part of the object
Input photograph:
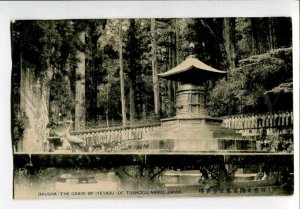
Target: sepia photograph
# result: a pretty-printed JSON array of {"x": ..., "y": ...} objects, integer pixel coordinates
[{"x": 152, "y": 107}]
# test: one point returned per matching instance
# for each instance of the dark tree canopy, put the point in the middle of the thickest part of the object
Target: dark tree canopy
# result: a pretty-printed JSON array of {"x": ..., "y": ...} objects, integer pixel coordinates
[{"x": 256, "y": 52}]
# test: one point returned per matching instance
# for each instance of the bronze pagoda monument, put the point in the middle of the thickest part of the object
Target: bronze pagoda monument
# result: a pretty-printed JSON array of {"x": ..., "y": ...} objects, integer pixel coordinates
[{"x": 192, "y": 129}]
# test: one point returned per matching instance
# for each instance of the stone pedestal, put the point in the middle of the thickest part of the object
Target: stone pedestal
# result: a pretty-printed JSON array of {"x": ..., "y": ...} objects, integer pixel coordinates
[{"x": 193, "y": 135}]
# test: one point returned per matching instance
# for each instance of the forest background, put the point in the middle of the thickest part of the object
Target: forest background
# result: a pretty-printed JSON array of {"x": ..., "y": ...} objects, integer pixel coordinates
[{"x": 103, "y": 73}]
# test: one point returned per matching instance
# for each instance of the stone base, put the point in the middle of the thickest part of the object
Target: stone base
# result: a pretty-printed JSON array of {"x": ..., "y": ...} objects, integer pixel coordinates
[
  {"x": 193, "y": 135},
  {"x": 193, "y": 145}
]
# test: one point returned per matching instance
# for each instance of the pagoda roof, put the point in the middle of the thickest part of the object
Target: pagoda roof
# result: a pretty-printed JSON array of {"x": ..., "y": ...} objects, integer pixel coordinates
[{"x": 190, "y": 68}]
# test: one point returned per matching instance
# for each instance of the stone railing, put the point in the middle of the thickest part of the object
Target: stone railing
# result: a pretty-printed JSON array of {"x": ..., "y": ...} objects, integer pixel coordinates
[
  {"x": 110, "y": 138},
  {"x": 116, "y": 138},
  {"x": 258, "y": 124},
  {"x": 258, "y": 121}
]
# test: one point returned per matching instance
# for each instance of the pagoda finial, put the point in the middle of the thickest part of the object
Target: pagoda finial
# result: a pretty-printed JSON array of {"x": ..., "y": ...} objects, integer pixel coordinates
[{"x": 192, "y": 50}]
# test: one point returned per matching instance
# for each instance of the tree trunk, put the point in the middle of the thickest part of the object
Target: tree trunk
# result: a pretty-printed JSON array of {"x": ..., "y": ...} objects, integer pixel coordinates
[
  {"x": 106, "y": 111},
  {"x": 122, "y": 86},
  {"x": 254, "y": 35},
  {"x": 170, "y": 82},
  {"x": 68, "y": 112},
  {"x": 154, "y": 69},
  {"x": 133, "y": 68},
  {"x": 80, "y": 86},
  {"x": 93, "y": 67},
  {"x": 177, "y": 50},
  {"x": 34, "y": 92},
  {"x": 177, "y": 42},
  {"x": 132, "y": 100},
  {"x": 229, "y": 40},
  {"x": 174, "y": 60},
  {"x": 271, "y": 35}
]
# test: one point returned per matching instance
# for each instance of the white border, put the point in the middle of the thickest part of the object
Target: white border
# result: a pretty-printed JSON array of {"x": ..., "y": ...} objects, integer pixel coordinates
[{"x": 67, "y": 10}]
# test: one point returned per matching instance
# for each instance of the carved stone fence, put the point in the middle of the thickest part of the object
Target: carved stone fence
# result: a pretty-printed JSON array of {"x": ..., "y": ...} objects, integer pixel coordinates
[
  {"x": 256, "y": 124},
  {"x": 114, "y": 138},
  {"x": 110, "y": 138},
  {"x": 257, "y": 121}
]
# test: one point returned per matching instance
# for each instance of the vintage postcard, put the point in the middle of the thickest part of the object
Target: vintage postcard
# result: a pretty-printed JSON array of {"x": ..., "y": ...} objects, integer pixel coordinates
[{"x": 152, "y": 107}]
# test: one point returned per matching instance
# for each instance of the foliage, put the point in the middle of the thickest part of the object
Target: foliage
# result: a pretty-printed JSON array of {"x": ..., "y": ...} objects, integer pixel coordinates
[
  {"x": 60, "y": 95},
  {"x": 39, "y": 42},
  {"x": 257, "y": 48},
  {"x": 243, "y": 90},
  {"x": 282, "y": 141}
]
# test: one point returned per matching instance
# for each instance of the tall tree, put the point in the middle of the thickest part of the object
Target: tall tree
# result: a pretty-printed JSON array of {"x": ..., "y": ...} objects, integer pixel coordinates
[
  {"x": 122, "y": 85},
  {"x": 170, "y": 66},
  {"x": 62, "y": 93},
  {"x": 254, "y": 35},
  {"x": 177, "y": 40},
  {"x": 154, "y": 68},
  {"x": 271, "y": 33},
  {"x": 38, "y": 45},
  {"x": 80, "y": 109},
  {"x": 94, "y": 71},
  {"x": 229, "y": 40},
  {"x": 206, "y": 34},
  {"x": 133, "y": 56}
]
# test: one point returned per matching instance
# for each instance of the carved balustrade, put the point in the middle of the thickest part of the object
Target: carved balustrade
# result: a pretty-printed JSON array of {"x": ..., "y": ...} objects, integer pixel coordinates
[
  {"x": 113, "y": 138},
  {"x": 257, "y": 121}
]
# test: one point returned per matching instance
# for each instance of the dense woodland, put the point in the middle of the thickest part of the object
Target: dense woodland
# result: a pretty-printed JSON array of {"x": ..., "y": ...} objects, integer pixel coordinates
[{"x": 104, "y": 72}]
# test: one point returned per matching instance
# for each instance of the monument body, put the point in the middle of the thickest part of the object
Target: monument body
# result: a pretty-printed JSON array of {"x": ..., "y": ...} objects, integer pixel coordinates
[{"x": 192, "y": 129}]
